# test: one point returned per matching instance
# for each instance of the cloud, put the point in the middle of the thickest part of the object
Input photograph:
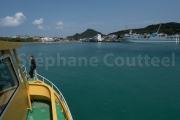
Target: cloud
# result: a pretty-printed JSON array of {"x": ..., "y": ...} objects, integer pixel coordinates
[
  {"x": 15, "y": 20},
  {"x": 59, "y": 25},
  {"x": 41, "y": 27},
  {"x": 38, "y": 22}
]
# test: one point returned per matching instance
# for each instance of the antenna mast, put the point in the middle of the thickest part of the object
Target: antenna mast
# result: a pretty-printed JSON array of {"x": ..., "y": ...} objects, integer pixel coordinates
[{"x": 159, "y": 28}]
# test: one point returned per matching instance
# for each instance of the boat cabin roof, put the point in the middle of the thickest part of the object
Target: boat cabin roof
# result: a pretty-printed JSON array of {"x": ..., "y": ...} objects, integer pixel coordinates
[{"x": 4, "y": 45}]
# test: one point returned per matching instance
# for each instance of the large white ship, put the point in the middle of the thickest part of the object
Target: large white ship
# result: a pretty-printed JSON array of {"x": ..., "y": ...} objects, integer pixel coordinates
[{"x": 154, "y": 37}]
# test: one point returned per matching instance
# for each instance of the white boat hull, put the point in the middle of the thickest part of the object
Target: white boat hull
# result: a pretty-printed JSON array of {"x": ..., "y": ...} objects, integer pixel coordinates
[{"x": 148, "y": 40}]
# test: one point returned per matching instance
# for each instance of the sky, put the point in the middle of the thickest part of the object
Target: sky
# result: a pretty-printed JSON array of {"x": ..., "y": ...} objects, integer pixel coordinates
[{"x": 61, "y": 18}]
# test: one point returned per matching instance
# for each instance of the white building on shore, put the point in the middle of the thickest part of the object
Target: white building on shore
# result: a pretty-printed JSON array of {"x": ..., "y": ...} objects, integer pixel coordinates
[
  {"x": 46, "y": 39},
  {"x": 98, "y": 38},
  {"x": 112, "y": 36}
]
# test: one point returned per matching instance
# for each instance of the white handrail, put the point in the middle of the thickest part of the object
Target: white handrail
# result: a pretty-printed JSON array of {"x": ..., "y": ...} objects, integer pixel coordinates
[
  {"x": 57, "y": 90},
  {"x": 20, "y": 77},
  {"x": 25, "y": 71},
  {"x": 52, "y": 85}
]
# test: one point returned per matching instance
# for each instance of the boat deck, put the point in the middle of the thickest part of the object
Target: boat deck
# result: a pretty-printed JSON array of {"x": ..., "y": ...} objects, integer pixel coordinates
[
  {"x": 60, "y": 114},
  {"x": 41, "y": 111}
]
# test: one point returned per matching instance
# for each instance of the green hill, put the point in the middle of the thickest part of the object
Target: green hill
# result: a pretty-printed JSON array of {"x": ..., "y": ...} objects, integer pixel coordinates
[
  {"x": 168, "y": 28},
  {"x": 89, "y": 33}
]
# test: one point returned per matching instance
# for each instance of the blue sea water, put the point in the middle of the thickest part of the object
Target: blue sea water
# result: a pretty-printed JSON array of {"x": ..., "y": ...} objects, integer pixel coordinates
[{"x": 118, "y": 92}]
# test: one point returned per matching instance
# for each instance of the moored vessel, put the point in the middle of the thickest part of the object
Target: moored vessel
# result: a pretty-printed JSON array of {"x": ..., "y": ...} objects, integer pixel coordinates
[
  {"x": 154, "y": 37},
  {"x": 22, "y": 98}
]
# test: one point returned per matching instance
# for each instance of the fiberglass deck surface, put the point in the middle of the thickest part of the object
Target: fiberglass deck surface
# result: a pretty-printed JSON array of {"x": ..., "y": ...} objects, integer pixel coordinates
[
  {"x": 60, "y": 114},
  {"x": 32, "y": 79},
  {"x": 41, "y": 111}
]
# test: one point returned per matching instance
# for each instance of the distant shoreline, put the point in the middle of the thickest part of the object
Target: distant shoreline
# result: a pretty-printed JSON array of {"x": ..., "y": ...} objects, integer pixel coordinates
[{"x": 47, "y": 42}]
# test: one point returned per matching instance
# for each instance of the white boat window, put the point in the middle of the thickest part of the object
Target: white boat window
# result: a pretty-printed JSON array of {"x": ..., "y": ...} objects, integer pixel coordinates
[{"x": 8, "y": 82}]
